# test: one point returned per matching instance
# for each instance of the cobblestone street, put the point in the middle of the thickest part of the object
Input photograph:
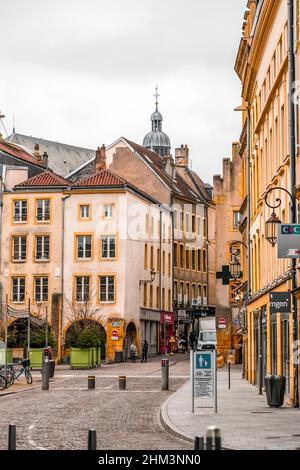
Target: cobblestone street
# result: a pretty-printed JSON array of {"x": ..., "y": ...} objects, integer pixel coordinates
[{"x": 60, "y": 418}]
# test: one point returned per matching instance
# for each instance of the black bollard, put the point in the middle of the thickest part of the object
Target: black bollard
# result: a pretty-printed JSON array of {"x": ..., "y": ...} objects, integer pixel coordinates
[
  {"x": 199, "y": 443},
  {"x": 213, "y": 438},
  {"x": 91, "y": 382},
  {"x": 122, "y": 382},
  {"x": 92, "y": 439},
  {"x": 165, "y": 374},
  {"x": 45, "y": 374},
  {"x": 229, "y": 375},
  {"x": 12, "y": 437}
]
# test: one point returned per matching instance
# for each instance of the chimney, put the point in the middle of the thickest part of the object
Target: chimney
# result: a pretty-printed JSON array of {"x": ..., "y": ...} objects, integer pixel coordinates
[
  {"x": 101, "y": 158},
  {"x": 37, "y": 153},
  {"x": 182, "y": 156},
  {"x": 45, "y": 159}
]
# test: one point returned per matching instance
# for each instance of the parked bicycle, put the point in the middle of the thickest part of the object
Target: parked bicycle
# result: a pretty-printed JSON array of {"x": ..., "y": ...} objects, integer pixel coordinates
[
  {"x": 14, "y": 371},
  {"x": 3, "y": 382}
]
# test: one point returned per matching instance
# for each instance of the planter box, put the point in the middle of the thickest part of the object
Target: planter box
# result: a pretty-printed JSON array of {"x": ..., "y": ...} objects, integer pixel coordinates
[
  {"x": 36, "y": 358},
  {"x": 80, "y": 358},
  {"x": 9, "y": 356},
  {"x": 18, "y": 354},
  {"x": 98, "y": 350}
]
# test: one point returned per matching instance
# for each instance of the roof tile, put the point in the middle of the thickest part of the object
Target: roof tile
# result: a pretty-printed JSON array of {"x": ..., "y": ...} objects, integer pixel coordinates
[{"x": 45, "y": 179}]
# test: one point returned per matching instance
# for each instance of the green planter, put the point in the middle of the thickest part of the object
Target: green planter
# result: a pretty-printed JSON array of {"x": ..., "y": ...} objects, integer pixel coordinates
[
  {"x": 36, "y": 358},
  {"x": 98, "y": 350},
  {"x": 9, "y": 356},
  {"x": 80, "y": 358}
]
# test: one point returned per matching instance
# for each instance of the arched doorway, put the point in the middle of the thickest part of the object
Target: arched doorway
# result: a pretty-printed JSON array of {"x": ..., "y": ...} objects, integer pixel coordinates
[
  {"x": 130, "y": 337},
  {"x": 81, "y": 334}
]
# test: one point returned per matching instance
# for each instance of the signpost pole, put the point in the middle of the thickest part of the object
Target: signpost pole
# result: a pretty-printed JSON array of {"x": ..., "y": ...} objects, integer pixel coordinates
[
  {"x": 215, "y": 380},
  {"x": 193, "y": 379}
]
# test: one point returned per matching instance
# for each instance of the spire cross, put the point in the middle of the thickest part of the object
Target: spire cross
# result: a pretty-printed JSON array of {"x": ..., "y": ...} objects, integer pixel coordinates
[{"x": 156, "y": 96}]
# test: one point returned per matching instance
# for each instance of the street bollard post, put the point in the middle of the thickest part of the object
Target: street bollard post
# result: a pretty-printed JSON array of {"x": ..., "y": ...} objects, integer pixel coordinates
[
  {"x": 12, "y": 437},
  {"x": 45, "y": 374},
  {"x": 122, "y": 382},
  {"x": 213, "y": 438},
  {"x": 92, "y": 439},
  {"x": 199, "y": 443},
  {"x": 229, "y": 375},
  {"x": 165, "y": 374},
  {"x": 91, "y": 382}
]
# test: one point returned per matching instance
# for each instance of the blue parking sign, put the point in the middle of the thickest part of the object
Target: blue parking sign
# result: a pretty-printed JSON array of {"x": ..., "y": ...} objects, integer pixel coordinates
[{"x": 203, "y": 361}]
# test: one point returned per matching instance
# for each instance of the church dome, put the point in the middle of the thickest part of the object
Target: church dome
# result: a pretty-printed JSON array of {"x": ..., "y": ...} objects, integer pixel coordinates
[{"x": 157, "y": 140}]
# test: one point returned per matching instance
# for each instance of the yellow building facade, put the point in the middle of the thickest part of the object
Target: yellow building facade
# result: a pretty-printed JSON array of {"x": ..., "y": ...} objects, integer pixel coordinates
[{"x": 262, "y": 65}]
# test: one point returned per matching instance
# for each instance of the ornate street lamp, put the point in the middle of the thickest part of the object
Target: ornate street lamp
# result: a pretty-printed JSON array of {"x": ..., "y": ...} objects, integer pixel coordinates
[
  {"x": 149, "y": 281},
  {"x": 273, "y": 222},
  {"x": 235, "y": 265}
]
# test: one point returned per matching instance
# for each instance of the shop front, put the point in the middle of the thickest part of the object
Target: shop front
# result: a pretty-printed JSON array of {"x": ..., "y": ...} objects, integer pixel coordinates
[
  {"x": 150, "y": 329},
  {"x": 167, "y": 331}
]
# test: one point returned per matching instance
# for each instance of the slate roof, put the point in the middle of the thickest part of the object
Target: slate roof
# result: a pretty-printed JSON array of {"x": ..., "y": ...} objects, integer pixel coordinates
[
  {"x": 19, "y": 153},
  {"x": 45, "y": 179},
  {"x": 63, "y": 158}
]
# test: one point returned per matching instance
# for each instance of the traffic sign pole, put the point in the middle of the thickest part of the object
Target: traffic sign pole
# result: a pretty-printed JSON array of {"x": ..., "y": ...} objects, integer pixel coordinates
[
  {"x": 193, "y": 379},
  {"x": 216, "y": 381}
]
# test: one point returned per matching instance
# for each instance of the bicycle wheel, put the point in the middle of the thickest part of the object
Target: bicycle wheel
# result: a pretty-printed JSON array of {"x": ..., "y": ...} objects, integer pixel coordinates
[
  {"x": 3, "y": 382},
  {"x": 28, "y": 377},
  {"x": 9, "y": 375}
]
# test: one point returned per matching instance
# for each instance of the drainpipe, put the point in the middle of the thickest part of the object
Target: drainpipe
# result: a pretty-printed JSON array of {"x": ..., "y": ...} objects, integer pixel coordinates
[
  {"x": 59, "y": 349},
  {"x": 292, "y": 143}
]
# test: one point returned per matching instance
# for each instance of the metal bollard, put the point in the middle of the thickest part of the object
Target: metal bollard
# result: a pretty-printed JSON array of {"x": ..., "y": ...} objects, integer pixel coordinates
[
  {"x": 122, "y": 382},
  {"x": 165, "y": 374},
  {"x": 91, "y": 382},
  {"x": 229, "y": 375},
  {"x": 199, "y": 443},
  {"x": 92, "y": 439},
  {"x": 12, "y": 437},
  {"x": 213, "y": 438},
  {"x": 45, "y": 374}
]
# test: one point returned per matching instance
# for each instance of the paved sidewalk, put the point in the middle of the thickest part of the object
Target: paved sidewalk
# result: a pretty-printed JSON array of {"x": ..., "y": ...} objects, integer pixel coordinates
[{"x": 245, "y": 420}]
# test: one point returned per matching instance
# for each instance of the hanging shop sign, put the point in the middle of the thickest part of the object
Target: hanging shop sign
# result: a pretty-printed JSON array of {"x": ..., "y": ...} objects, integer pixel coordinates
[
  {"x": 280, "y": 302},
  {"x": 288, "y": 241}
]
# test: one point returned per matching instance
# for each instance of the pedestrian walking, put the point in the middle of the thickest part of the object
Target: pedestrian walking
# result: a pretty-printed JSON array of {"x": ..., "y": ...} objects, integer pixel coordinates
[
  {"x": 133, "y": 352},
  {"x": 145, "y": 351}
]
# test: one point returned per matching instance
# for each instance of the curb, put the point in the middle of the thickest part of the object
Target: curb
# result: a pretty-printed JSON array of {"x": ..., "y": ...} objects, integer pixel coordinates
[{"x": 168, "y": 425}]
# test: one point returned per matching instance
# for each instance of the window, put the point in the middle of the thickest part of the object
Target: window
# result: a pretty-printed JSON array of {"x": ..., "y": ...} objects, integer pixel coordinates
[
  {"x": 204, "y": 260},
  {"x": 19, "y": 248},
  {"x": 107, "y": 289},
  {"x": 82, "y": 293},
  {"x": 169, "y": 301},
  {"x": 181, "y": 256},
  {"x": 18, "y": 289},
  {"x": 164, "y": 263},
  {"x": 204, "y": 228},
  {"x": 152, "y": 257},
  {"x": 198, "y": 226},
  {"x": 193, "y": 223},
  {"x": 158, "y": 260},
  {"x": 146, "y": 256},
  {"x": 145, "y": 295},
  {"x": 108, "y": 211},
  {"x": 41, "y": 286},
  {"x": 84, "y": 212},
  {"x": 151, "y": 296},
  {"x": 163, "y": 299},
  {"x": 175, "y": 255},
  {"x": 108, "y": 250},
  {"x": 181, "y": 221},
  {"x": 157, "y": 298},
  {"x": 199, "y": 259},
  {"x": 193, "y": 259},
  {"x": 193, "y": 291},
  {"x": 187, "y": 258},
  {"x": 169, "y": 264},
  {"x": 84, "y": 246},
  {"x": 199, "y": 291},
  {"x": 20, "y": 211},
  {"x": 152, "y": 225},
  {"x": 236, "y": 219},
  {"x": 42, "y": 209},
  {"x": 42, "y": 247}
]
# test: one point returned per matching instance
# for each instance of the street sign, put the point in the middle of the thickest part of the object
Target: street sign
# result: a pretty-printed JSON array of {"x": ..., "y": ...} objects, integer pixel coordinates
[
  {"x": 288, "y": 241},
  {"x": 280, "y": 302},
  {"x": 114, "y": 335},
  {"x": 222, "y": 323},
  {"x": 204, "y": 376}
]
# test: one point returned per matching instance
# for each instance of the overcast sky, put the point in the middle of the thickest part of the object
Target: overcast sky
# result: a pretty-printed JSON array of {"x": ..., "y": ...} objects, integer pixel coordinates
[{"x": 84, "y": 72}]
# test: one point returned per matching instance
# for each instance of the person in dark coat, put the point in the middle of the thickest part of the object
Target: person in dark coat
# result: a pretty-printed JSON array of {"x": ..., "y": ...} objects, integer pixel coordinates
[{"x": 145, "y": 351}]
